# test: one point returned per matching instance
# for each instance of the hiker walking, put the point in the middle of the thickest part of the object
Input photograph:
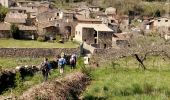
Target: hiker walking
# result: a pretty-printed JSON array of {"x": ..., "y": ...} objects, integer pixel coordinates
[
  {"x": 61, "y": 64},
  {"x": 72, "y": 62},
  {"x": 75, "y": 59},
  {"x": 45, "y": 68}
]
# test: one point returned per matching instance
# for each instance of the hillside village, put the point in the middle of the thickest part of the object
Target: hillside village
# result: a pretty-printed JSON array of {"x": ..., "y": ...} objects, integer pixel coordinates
[
  {"x": 127, "y": 51},
  {"x": 99, "y": 28}
]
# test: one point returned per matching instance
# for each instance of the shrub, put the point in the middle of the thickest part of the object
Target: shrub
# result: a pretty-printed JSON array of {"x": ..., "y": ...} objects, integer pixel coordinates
[
  {"x": 105, "y": 88},
  {"x": 58, "y": 38},
  {"x": 126, "y": 92},
  {"x": 14, "y": 29},
  {"x": 41, "y": 39},
  {"x": 137, "y": 89}
]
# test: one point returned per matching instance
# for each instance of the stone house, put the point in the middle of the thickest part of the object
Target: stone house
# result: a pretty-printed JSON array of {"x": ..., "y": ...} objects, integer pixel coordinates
[
  {"x": 103, "y": 17},
  {"x": 81, "y": 19},
  {"x": 85, "y": 12},
  {"x": 162, "y": 22},
  {"x": 5, "y": 3},
  {"x": 16, "y": 18},
  {"x": 96, "y": 35},
  {"x": 33, "y": 7},
  {"x": 94, "y": 8},
  {"x": 56, "y": 22},
  {"x": 110, "y": 12},
  {"x": 160, "y": 25},
  {"x": 26, "y": 32},
  {"x": 147, "y": 24},
  {"x": 124, "y": 23},
  {"x": 120, "y": 40},
  {"x": 5, "y": 30}
]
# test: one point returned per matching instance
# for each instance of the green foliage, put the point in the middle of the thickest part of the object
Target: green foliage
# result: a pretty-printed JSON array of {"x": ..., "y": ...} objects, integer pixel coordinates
[
  {"x": 15, "y": 31},
  {"x": 41, "y": 39},
  {"x": 3, "y": 12},
  {"x": 18, "y": 82},
  {"x": 58, "y": 38},
  {"x": 136, "y": 88}
]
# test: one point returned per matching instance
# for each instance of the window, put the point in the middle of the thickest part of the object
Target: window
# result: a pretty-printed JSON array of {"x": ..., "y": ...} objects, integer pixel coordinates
[
  {"x": 95, "y": 41},
  {"x": 159, "y": 20},
  {"x": 166, "y": 20},
  {"x": 57, "y": 14},
  {"x": 57, "y": 25},
  {"x": 95, "y": 35},
  {"x": 112, "y": 21}
]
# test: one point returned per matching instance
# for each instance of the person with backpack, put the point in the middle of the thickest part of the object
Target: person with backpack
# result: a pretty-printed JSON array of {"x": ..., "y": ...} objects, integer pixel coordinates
[
  {"x": 72, "y": 62},
  {"x": 45, "y": 68},
  {"x": 75, "y": 59},
  {"x": 61, "y": 64}
]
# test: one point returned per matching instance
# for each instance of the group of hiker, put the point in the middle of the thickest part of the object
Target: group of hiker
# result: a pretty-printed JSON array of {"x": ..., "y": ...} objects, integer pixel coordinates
[{"x": 61, "y": 62}]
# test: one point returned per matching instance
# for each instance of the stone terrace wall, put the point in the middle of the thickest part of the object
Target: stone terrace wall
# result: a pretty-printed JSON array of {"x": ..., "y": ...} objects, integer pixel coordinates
[{"x": 35, "y": 52}]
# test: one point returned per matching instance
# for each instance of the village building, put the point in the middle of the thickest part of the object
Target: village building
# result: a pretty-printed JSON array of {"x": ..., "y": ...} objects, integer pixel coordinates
[
  {"x": 55, "y": 22},
  {"x": 28, "y": 32},
  {"x": 124, "y": 23},
  {"x": 5, "y": 3},
  {"x": 81, "y": 19},
  {"x": 120, "y": 40},
  {"x": 162, "y": 22},
  {"x": 111, "y": 12},
  {"x": 16, "y": 18},
  {"x": 25, "y": 32},
  {"x": 160, "y": 25},
  {"x": 96, "y": 35},
  {"x": 4, "y": 30},
  {"x": 84, "y": 12},
  {"x": 94, "y": 8}
]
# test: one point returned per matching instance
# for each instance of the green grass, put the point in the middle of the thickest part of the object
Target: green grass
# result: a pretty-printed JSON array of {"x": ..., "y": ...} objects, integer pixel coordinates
[
  {"x": 11, "y": 43},
  {"x": 6, "y": 62},
  {"x": 123, "y": 80}
]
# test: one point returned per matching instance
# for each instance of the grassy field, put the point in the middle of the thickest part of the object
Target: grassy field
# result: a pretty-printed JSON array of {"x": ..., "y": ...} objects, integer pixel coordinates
[
  {"x": 11, "y": 43},
  {"x": 13, "y": 62},
  {"x": 123, "y": 80}
]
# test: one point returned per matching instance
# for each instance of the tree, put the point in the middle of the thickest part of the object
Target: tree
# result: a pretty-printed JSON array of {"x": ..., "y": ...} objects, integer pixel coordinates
[
  {"x": 3, "y": 12},
  {"x": 157, "y": 13},
  {"x": 15, "y": 31}
]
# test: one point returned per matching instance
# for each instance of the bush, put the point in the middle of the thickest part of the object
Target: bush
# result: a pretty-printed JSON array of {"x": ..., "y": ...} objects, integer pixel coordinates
[
  {"x": 14, "y": 29},
  {"x": 137, "y": 89},
  {"x": 58, "y": 38},
  {"x": 41, "y": 39}
]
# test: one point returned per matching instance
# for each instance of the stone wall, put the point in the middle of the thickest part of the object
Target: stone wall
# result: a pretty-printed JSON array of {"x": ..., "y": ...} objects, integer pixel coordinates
[{"x": 36, "y": 52}]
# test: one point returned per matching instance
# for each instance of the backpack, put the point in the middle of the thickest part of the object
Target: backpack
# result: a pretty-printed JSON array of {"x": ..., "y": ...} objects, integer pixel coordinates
[
  {"x": 60, "y": 62},
  {"x": 45, "y": 67},
  {"x": 72, "y": 60},
  {"x": 49, "y": 65}
]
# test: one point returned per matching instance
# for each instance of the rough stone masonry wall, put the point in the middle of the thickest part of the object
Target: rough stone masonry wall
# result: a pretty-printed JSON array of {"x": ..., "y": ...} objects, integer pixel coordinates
[{"x": 35, "y": 52}]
